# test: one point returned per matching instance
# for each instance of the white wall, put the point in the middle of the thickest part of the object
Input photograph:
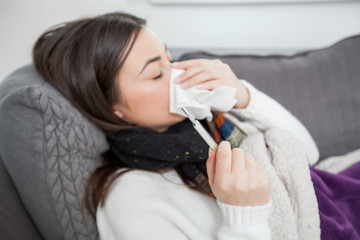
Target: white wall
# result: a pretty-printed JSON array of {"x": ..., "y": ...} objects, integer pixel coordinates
[{"x": 245, "y": 27}]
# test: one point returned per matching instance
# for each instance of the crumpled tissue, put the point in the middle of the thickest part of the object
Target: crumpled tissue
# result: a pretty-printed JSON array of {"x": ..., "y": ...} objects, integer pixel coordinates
[{"x": 200, "y": 102}]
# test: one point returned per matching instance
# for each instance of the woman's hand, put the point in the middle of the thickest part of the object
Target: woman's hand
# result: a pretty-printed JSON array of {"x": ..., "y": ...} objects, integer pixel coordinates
[
  {"x": 209, "y": 74},
  {"x": 235, "y": 178}
]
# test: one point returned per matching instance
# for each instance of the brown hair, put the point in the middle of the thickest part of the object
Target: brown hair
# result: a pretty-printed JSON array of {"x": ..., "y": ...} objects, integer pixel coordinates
[{"x": 82, "y": 59}]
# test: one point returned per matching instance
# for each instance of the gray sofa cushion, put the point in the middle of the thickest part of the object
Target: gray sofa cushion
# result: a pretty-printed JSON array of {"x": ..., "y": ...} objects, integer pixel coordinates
[
  {"x": 321, "y": 88},
  {"x": 49, "y": 150},
  {"x": 12, "y": 213}
]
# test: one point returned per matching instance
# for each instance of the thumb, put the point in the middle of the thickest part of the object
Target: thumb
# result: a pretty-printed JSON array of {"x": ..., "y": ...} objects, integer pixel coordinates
[{"x": 210, "y": 166}]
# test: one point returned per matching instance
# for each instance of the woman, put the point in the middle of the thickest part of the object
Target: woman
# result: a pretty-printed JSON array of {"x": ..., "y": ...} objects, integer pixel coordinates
[{"x": 116, "y": 72}]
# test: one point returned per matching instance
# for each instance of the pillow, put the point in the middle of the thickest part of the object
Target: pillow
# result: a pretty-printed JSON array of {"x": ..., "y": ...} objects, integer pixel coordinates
[
  {"x": 320, "y": 87},
  {"x": 49, "y": 150}
]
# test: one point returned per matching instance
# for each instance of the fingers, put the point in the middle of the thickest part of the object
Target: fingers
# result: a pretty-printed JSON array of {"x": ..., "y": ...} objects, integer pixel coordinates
[
  {"x": 190, "y": 72},
  {"x": 238, "y": 161},
  {"x": 223, "y": 166},
  {"x": 235, "y": 178},
  {"x": 184, "y": 64},
  {"x": 210, "y": 85},
  {"x": 264, "y": 180},
  {"x": 210, "y": 166},
  {"x": 188, "y": 63},
  {"x": 250, "y": 164},
  {"x": 199, "y": 80},
  {"x": 198, "y": 71}
]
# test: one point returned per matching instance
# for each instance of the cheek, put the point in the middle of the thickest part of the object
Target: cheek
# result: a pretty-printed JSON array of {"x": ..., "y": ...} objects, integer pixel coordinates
[{"x": 152, "y": 98}]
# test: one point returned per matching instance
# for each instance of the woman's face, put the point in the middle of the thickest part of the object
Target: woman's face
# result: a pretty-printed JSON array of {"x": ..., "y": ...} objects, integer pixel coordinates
[{"x": 143, "y": 83}]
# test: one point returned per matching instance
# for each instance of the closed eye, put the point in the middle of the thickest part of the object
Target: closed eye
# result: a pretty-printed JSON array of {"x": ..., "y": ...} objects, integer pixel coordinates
[{"x": 158, "y": 76}]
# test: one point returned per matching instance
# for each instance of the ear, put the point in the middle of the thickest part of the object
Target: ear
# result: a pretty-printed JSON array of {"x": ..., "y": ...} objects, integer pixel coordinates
[{"x": 117, "y": 111}]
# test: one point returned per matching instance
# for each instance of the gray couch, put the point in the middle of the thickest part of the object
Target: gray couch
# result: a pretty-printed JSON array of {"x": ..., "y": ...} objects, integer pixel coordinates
[{"x": 48, "y": 149}]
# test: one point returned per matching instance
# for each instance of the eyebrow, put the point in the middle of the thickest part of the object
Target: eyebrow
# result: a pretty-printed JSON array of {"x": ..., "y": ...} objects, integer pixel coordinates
[
  {"x": 154, "y": 59},
  {"x": 150, "y": 61}
]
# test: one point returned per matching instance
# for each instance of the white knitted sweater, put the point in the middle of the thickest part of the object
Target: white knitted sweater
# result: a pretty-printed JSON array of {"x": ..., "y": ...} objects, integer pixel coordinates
[{"x": 146, "y": 205}]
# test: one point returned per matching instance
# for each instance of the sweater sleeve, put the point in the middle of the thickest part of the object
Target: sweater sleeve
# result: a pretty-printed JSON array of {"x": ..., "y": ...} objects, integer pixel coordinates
[
  {"x": 140, "y": 207},
  {"x": 264, "y": 112},
  {"x": 244, "y": 222}
]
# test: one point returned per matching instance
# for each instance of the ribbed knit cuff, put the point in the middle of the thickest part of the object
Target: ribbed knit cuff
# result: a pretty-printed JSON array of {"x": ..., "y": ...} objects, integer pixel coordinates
[
  {"x": 240, "y": 215},
  {"x": 250, "y": 110}
]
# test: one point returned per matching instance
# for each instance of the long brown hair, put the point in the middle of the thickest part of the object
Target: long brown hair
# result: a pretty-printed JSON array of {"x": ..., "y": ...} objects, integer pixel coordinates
[{"x": 82, "y": 59}]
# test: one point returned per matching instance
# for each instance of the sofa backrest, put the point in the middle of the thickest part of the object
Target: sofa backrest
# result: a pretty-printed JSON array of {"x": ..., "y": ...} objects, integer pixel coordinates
[
  {"x": 320, "y": 87},
  {"x": 15, "y": 222}
]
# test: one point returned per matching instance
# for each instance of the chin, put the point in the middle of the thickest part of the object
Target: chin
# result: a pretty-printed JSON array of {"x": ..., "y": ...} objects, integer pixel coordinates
[
  {"x": 178, "y": 118},
  {"x": 175, "y": 118}
]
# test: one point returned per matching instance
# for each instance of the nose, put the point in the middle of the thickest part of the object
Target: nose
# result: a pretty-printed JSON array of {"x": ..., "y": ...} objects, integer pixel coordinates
[
  {"x": 175, "y": 73},
  {"x": 168, "y": 55}
]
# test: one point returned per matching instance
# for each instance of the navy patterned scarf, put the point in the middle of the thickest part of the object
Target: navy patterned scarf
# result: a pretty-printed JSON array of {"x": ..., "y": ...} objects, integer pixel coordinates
[{"x": 143, "y": 148}]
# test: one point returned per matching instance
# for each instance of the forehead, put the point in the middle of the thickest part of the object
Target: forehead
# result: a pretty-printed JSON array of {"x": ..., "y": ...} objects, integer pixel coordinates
[{"x": 147, "y": 45}]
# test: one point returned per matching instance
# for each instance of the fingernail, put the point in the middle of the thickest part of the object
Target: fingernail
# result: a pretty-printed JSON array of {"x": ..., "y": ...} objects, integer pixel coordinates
[
  {"x": 177, "y": 80},
  {"x": 199, "y": 86},
  {"x": 185, "y": 84},
  {"x": 209, "y": 153}
]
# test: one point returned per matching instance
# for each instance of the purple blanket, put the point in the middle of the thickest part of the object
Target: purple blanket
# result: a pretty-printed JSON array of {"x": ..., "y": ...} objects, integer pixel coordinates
[{"x": 338, "y": 196}]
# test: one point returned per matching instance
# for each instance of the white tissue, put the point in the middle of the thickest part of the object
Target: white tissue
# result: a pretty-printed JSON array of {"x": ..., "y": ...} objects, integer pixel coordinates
[{"x": 200, "y": 102}]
